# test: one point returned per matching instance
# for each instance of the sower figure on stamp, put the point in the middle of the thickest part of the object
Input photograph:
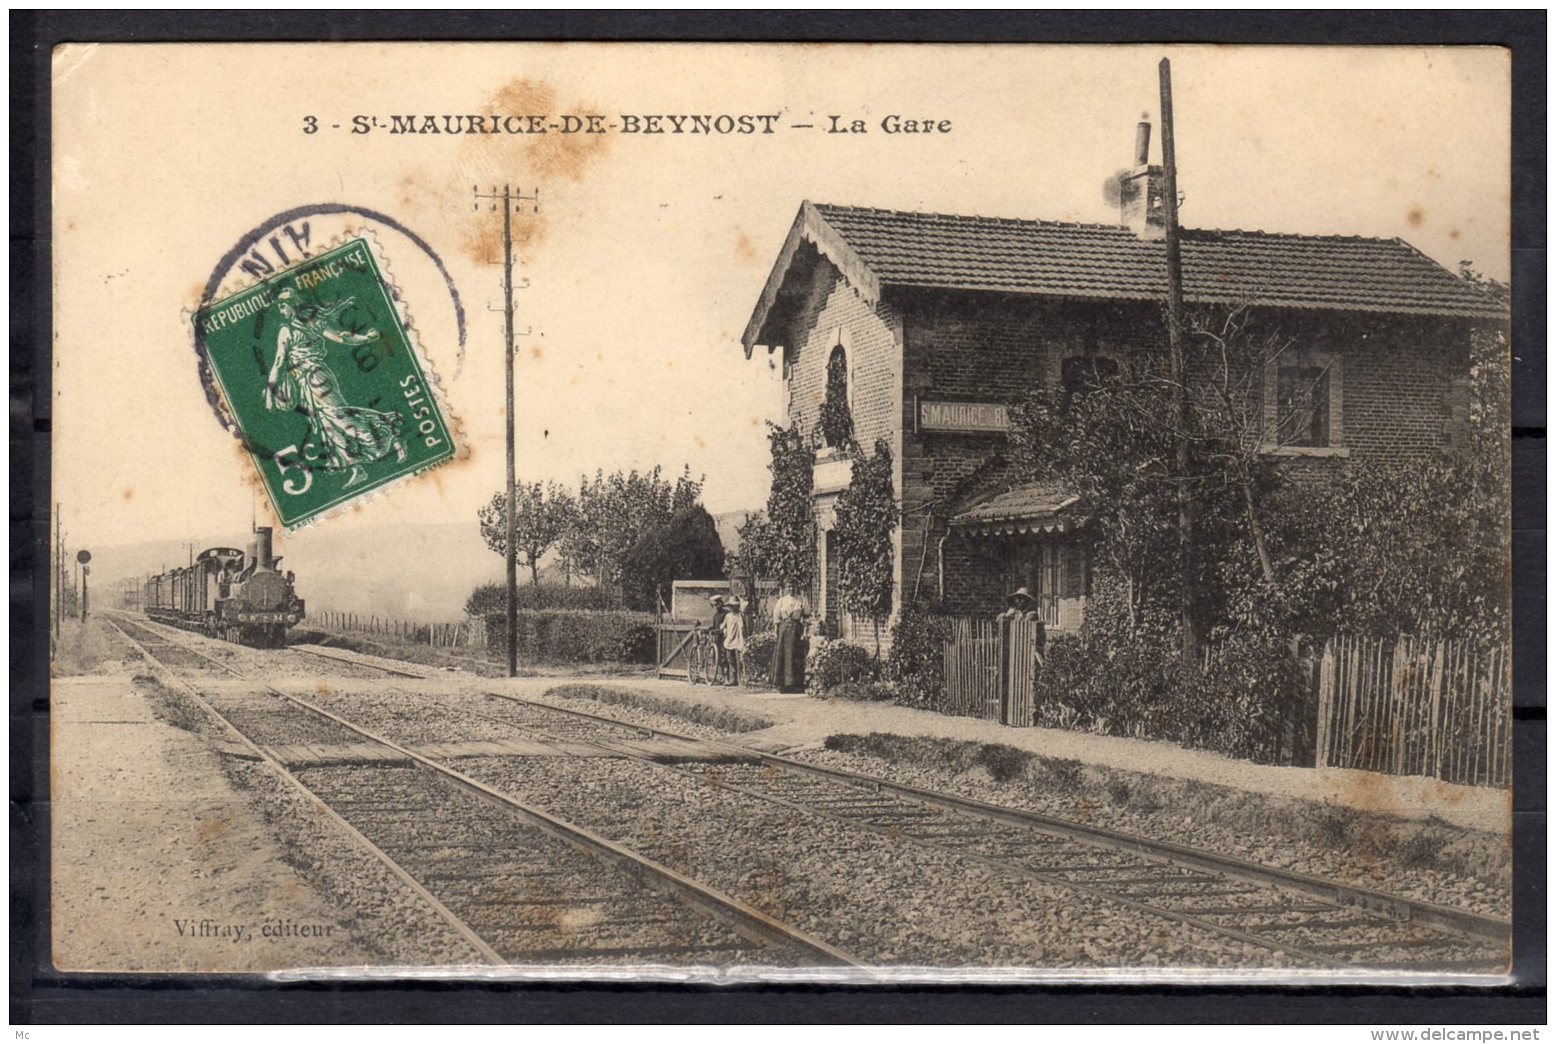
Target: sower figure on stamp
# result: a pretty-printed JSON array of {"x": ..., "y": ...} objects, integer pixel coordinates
[
  {"x": 344, "y": 436},
  {"x": 788, "y": 669}
]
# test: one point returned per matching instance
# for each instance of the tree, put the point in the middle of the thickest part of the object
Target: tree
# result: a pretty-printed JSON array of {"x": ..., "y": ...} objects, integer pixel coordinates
[
  {"x": 1107, "y": 439},
  {"x": 1422, "y": 548},
  {"x": 685, "y": 548},
  {"x": 615, "y": 510},
  {"x": 541, "y": 515},
  {"x": 780, "y": 544},
  {"x": 1491, "y": 360},
  {"x": 1361, "y": 546},
  {"x": 1398, "y": 549},
  {"x": 867, "y": 517}
]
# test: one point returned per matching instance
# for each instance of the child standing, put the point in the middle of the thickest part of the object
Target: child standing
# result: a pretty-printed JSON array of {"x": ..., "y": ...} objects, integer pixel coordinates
[{"x": 735, "y": 637}]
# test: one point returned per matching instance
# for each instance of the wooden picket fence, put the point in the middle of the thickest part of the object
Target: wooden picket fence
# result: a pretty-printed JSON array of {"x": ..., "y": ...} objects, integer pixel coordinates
[
  {"x": 1417, "y": 707},
  {"x": 443, "y": 635},
  {"x": 988, "y": 667}
]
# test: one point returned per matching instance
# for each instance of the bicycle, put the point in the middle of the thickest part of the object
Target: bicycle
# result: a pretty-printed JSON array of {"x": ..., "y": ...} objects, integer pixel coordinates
[{"x": 702, "y": 657}]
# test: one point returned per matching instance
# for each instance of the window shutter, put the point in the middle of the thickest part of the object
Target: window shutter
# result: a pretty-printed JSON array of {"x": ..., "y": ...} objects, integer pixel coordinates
[{"x": 1074, "y": 570}]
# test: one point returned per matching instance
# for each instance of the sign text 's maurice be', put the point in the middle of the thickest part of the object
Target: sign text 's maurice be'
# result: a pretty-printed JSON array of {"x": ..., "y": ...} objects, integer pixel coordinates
[{"x": 963, "y": 416}]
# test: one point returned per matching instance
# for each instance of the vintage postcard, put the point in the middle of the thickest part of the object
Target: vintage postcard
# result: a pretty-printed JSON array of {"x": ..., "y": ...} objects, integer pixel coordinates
[{"x": 824, "y": 512}]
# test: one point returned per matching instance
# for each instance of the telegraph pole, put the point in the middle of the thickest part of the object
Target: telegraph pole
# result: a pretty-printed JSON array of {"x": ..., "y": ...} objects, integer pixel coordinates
[
  {"x": 510, "y": 199},
  {"x": 1179, "y": 366}
]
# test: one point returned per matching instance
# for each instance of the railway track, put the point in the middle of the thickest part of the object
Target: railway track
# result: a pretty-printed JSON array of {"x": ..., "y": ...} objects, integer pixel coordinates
[
  {"x": 519, "y": 885},
  {"x": 1319, "y": 923}
]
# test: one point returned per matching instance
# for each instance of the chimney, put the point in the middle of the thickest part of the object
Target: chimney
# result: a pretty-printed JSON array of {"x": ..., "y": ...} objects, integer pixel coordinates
[
  {"x": 1140, "y": 189},
  {"x": 263, "y": 549}
]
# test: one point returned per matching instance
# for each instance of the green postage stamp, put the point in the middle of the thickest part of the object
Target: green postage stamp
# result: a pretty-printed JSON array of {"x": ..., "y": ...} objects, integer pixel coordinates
[{"x": 322, "y": 380}]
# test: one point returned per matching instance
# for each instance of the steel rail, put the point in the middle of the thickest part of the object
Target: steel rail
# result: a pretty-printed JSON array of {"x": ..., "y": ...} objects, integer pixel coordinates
[
  {"x": 453, "y": 920},
  {"x": 1416, "y": 911},
  {"x": 746, "y": 920},
  {"x": 1097, "y": 890}
]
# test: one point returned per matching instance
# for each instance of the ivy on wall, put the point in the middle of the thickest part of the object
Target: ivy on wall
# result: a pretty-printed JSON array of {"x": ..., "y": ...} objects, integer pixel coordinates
[
  {"x": 867, "y": 516},
  {"x": 837, "y": 421},
  {"x": 780, "y": 544}
]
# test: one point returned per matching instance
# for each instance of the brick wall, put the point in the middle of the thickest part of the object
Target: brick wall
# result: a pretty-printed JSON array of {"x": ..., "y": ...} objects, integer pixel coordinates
[
  {"x": 983, "y": 348},
  {"x": 1403, "y": 379},
  {"x": 1401, "y": 384},
  {"x": 834, "y": 313}
]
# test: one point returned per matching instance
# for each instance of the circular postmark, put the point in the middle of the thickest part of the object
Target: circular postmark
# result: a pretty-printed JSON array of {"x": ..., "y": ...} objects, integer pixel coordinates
[{"x": 307, "y": 355}]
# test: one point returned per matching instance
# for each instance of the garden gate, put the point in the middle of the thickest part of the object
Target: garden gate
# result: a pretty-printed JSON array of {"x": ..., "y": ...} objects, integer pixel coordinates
[{"x": 990, "y": 669}]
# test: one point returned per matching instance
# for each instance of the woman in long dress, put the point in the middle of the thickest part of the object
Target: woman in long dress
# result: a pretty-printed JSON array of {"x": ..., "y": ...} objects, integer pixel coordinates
[
  {"x": 788, "y": 670},
  {"x": 344, "y": 437}
]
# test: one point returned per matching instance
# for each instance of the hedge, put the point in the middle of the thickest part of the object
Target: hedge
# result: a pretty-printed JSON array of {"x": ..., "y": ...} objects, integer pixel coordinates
[
  {"x": 493, "y": 598},
  {"x": 577, "y": 635}
]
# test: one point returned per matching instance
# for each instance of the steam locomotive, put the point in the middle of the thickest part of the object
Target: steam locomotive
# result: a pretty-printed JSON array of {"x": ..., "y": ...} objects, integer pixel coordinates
[{"x": 229, "y": 594}]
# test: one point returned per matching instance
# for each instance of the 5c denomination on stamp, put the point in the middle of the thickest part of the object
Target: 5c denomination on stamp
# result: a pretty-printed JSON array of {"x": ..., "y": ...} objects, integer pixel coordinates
[{"x": 323, "y": 381}]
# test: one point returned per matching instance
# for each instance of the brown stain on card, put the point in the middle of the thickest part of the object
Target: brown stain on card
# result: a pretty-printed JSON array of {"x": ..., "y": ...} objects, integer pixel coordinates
[
  {"x": 745, "y": 250},
  {"x": 529, "y": 162},
  {"x": 210, "y": 829},
  {"x": 1416, "y": 216}
]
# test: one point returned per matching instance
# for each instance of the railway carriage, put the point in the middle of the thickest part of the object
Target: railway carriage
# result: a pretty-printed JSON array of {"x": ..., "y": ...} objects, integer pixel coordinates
[{"x": 228, "y": 593}]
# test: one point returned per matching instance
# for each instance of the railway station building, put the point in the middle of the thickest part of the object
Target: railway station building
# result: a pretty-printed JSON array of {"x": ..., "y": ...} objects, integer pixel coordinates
[{"x": 939, "y": 324}]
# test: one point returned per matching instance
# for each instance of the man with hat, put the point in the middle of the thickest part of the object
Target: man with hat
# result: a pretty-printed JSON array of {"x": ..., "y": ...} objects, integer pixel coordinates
[
  {"x": 735, "y": 636},
  {"x": 1020, "y": 605},
  {"x": 716, "y": 628}
]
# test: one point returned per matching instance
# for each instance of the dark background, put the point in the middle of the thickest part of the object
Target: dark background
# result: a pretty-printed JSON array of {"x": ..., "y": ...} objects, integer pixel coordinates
[{"x": 41, "y": 995}]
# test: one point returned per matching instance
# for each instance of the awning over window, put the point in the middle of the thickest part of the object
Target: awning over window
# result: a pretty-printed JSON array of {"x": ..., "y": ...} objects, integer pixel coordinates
[{"x": 1031, "y": 508}]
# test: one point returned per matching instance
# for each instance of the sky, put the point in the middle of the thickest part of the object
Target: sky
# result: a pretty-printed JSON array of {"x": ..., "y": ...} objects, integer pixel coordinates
[{"x": 649, "y": 252}]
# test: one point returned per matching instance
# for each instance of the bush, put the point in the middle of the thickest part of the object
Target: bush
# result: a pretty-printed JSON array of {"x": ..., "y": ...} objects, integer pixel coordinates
[
  {"x": 1238, "y": 704},
  {"x": 759, "y": 658},
  {"x": 916, "y": 663},
  {"x": 489, "y": 599},
  {"x": 725, "y": 719},
  {"x": 577, "y": 636},
  {"x": 639, "y": 643},
  {"x": 1003, "y": 763},
  {"x": 834, "y": 662}
]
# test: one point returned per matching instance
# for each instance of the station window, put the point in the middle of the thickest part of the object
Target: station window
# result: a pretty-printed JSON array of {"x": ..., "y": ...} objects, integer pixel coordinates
[
  {"x": 1302, "y": 396},
  {"x": 1303, "y": 403},
  {"x": 1082, "y": 374}
]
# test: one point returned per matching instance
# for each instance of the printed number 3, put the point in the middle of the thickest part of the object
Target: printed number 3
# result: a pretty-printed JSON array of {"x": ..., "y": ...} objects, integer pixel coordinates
[
  {"x": 289, "y": 459},
  {"x": 310, "y": 124}
]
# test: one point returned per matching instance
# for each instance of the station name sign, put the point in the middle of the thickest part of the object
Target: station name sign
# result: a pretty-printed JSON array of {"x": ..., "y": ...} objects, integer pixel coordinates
[{"x": 992, "y": 417}]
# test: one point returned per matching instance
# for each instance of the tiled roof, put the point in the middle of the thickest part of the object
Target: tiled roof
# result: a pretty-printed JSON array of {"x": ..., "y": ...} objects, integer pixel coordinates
[
  {"x": 1109, "y": 261},
  {"x": 1034, "y": 507}
]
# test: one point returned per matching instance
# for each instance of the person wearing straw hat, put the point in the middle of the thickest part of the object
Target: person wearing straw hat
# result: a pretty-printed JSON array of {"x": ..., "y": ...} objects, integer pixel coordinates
[
  {"x": 716, "y": 628},
  {"x": 735, "y": 637},
  {"x": 1020, "y": 605}
]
